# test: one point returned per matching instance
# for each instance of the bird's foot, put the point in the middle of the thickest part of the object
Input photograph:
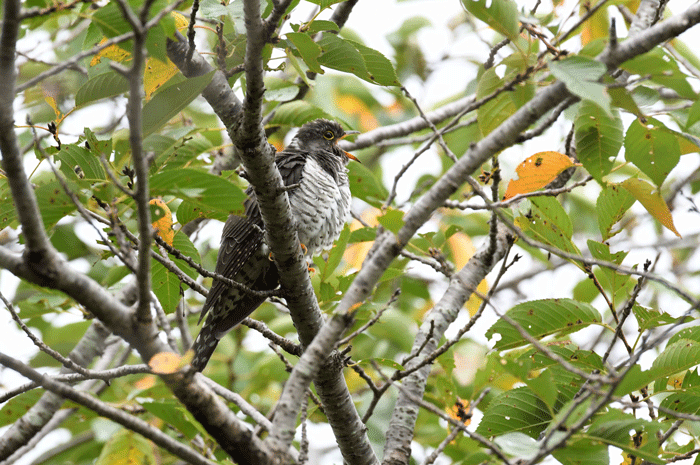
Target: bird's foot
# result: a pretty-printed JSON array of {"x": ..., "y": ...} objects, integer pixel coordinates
[{"x": 304, "y": 250}]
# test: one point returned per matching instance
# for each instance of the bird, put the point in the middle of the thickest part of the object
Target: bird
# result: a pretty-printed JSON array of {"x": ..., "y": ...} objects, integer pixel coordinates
[{"x": 314, "y": 171}]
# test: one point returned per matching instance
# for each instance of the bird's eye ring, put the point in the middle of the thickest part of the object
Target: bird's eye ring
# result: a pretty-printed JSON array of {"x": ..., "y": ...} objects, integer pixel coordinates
[{"x": 328, "y": 135}]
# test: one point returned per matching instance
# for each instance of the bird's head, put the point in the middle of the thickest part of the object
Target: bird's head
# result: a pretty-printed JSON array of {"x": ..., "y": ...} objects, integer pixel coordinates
[{"x": 322, "y": 134}]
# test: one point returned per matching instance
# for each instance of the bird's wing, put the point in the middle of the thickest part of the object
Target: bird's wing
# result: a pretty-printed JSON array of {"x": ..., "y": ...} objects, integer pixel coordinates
[
  {"x": 240, "y": 239},
  {"x": 290, "y": 163}
]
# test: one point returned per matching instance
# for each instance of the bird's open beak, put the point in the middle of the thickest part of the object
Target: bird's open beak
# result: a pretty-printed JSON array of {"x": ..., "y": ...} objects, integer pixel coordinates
[{"x": 350, "y": 155}]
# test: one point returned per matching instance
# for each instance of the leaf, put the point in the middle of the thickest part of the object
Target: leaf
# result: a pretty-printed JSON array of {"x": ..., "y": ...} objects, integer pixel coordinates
[
  {"x": 541, "y": 318},
  {"x": 18, "y": 406},
  {"x": 392, "y": 220},
  {"x": 173, "y": 415},
  {"x": 365, "y": 186},
  {"x": 297, "y": 113},
  {"x": 536, "y": 172},
  {"x": 693, "y": 115},
  {"x": 324, "y": 3},
  {"x": 73, "y": 157},
  {"x": 601, "y": 251},
  {"x": 651, "y": 199},
  {"x": 126, "y": 447},
  {"x": 54, "y": 203},
  {"x": 165, "y": 363},
  {"x": 166, "y": 287},
  {"x": 103, "y": 85},
  {"x": 615, "y": 428},
  {"x": 598, "y": 139},
  {"x": 336, "y": 254},
  {"x": 580, "y": 74},
  {"x": 204, "y": 190},
  {"x": 341, "y": 55},
  {"x": 679, "y": 356},
  {"x": 156, "y": 73},
  {"x": 169, "y": 102},
  {"x": 162, "y": 220},
  {"x": 548, "y": 222},
  {"x": 379, "y": 68},
  {"x": 494, "y": 112},
  {"x": 501, "y": 15},
  {"x": 517, "y": 410},
  {"x": 308, "y": 49},
  {"x": 613, "y": 201},
  {"x": 652, "y": 148}
]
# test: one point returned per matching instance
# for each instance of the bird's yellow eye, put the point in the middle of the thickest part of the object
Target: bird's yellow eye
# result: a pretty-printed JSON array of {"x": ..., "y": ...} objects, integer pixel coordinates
[{"x": 328, "y": 135}]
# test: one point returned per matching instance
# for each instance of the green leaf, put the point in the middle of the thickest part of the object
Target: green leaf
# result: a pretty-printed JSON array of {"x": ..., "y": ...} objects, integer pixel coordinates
[
  {"x": 548, "y": 222},
  {"x": 676, "y": 357},
  {"x": 601, "y": 251},
  {"x": 166, "y": 287},
  {"x": 693, "y": 115},
  {"x": 203, "y": 190},
  {"x": 615, "y": 428},
  {"x": 173, "y": 415},
  {"x": 392, "y": 220},
  {"x": 692, "y": 333},
  {"x": 320, "y": 25},
  {"x": 103, "y": 85},
  {"x": 308, "y": 49},
  {"x": 54, "y": 203},
  {"x": 73, "y": 156},
  {"x": 583, "y": 452},
  {"x": 517, "y": 410},
  {"x": 363, "y": 235},
  {"x": 379, "y": 68},
  {"x": 501, "y": 15},
  {"x": 324, "y": 3},
  {"x": 297, "y": 113},
  {"x": 598, "y": 139},
  {"x": 652, "y": 148},
  {"x": 541, "y": 318},
  {"x": 663, "y": 69},
  {"x": 111, "y": 20},
  {"x": 18, "y": 406},
  {"x": 336, "y": 254},
  {"x": 580, "y": 74},
  {"x": 613, "y": 201},
  {"x": 365, "y": 186},
  {"x": 128, "y": 447},
  {"x": 651, "y": 318},
  {"x": 494, "y": 112},
  {"x": 170, "y": 101}
]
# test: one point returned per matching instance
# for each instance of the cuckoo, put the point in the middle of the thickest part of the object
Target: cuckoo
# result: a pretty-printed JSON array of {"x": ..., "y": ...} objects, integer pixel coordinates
[{"x": 313, "y": 169}]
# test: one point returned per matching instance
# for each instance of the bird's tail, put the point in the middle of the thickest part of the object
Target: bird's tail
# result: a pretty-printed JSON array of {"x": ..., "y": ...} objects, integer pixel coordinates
[{"x": 204, "y": 347}]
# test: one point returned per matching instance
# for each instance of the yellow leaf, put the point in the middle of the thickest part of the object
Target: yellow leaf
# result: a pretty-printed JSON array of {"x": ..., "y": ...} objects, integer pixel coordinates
[
  {"x": 113, "y": 52},
  {"x": 181, "y": 21},
  {"x": 162, "y": 220},
  {"x": 536, "y": 172},
  {"x": 52, "y": 103},
  {"x": 146, "y": 382},
  {"x": 596, "y": 26},
  {"x": 651, "y": 199},
  {"x": 155, "y": 74},
  {"x": 165, "y": 363},
  {"x": 462, "y": 250}
]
